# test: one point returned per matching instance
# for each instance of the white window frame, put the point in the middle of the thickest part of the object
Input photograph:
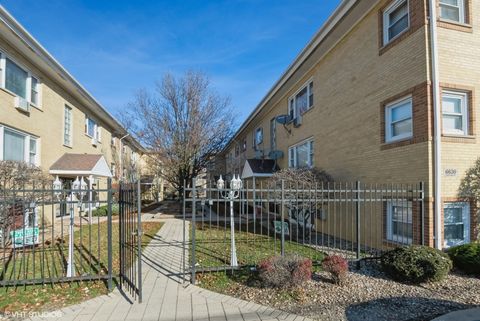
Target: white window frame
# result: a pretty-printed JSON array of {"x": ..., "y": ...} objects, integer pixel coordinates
[
  {"x": 388, "y": 120},
  {"x": 70, "y": 143},
  {"x": 390, "y": 235},
  {"x": 292, "y": 100},
  {"x": 461, "y": 11},
  {"x": 255, "y": 137},
  {"x": 386, "y": 20},
  {"x": 466, "y": 222},
  {"x": 97, "y": 134},
  {"x": 464, "y": 113},
  {"x": 292, "y": 153},
  {"x": 30, "y": 75},
  {"x": 27, "y": 138}
]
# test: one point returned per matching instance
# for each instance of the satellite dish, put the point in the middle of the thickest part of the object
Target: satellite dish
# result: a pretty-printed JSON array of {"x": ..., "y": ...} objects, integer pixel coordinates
[{"x": 283, "y": 119}]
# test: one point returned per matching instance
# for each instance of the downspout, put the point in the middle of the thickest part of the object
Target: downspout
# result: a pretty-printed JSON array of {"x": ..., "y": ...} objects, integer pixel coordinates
[{"x": 436, "y": 125}]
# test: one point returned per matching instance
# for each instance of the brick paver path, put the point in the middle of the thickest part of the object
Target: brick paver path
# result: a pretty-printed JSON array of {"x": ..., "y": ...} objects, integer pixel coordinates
[{"x": 165, "y": 296}]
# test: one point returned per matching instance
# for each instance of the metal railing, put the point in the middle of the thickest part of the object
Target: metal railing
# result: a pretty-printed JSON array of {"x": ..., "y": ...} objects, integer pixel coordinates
[
  {"x": 355, "y": 220},
  {"x": 49, "y": 235}
]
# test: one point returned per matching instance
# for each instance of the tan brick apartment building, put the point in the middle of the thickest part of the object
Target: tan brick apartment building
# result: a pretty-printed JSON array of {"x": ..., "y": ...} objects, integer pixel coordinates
[
  {"x": 362, "y": 98},
  {"x": 49, "y": 120}
]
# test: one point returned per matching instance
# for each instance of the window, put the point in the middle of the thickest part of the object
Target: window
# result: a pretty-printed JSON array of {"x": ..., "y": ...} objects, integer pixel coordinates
[
  {"x": 32, "y": 156},
  {"x": 67, "y": 126},
  {"x": 113, "y": 169},
  {"x": 244, "y": 145},
  {"x": 456, "y": 224},
  {"x": 258, "y": 139},
  {"x": 301, "y": 155},
  {"x": 455, "y": 113},
  {"x": 92, "y": 129},
  {"x": 18, "y": 146},
  {"x": 16, "y": 79},
  {"x": 399, "y": 221},
  {"x": 398, "y": 120},
  {"x": 237, "y": 150},
  {"x": 34, "y": 91},
  {"x": 273, "y": 134},
  {"x": 19, "y": 80},
  {"x": 301, "y": 101},
  {"x": 395, "y": 20},
  {"x": 453, "y": 10}
]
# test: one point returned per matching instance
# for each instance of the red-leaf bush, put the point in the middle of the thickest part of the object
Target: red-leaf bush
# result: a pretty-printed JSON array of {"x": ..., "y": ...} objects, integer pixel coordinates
[
  {"x": 337, "y": 266},
  {"x": 283, "y": 272}
]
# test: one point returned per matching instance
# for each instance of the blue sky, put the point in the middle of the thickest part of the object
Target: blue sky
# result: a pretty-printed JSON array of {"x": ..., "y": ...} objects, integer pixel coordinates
[{"x": 117, "y": 47}]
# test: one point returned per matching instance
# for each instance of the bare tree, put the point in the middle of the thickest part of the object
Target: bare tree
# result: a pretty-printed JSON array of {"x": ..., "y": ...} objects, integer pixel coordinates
[{"x": 184, "y": 123}]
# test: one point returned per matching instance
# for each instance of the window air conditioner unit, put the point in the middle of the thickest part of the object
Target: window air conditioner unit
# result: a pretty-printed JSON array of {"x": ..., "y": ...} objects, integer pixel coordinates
[
  {"x": 297, "y": 121},
  {"x": 94, "y": 141},
  {"x": 22, "y": 104}
]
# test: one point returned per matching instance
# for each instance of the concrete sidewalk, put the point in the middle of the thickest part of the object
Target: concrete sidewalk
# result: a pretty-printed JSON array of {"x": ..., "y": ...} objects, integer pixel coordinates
[{"x": 165, "y": 296}]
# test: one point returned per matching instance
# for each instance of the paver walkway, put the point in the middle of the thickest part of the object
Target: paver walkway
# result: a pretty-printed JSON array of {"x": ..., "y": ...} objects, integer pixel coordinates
[{"x": 165, "y": 296}]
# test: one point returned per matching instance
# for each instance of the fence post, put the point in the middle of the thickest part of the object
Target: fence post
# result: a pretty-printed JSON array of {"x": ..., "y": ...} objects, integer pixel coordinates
[
  {"x": 194, "y": 214},
  {"x": 357, "y": 210},
  {"x": 422, "y": 211},
  {"x": 184, "y": 234},
  {"x": 282, "y": 244},
  {"x": 139, "y": 239},
  {"x": 109, "y": 232}
]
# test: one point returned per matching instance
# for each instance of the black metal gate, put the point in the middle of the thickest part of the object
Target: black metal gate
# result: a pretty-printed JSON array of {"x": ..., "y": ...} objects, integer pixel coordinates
[{"x": 130, "y": 239}]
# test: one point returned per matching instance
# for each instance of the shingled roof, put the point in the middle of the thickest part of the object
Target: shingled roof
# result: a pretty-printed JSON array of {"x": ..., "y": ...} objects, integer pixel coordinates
[
  {"x": 259, "y": 168},
  {"x": 81, "y": 164}
]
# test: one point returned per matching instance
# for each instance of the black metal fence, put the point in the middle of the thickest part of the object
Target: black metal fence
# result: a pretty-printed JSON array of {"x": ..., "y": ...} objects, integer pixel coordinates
[
  {"x": 55, "y": 234},
  {"x": 355, "y": 220},
  {"x": 130, "y": 238}
]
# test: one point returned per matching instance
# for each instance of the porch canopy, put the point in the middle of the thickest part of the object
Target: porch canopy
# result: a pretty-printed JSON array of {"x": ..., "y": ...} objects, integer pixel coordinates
[
  {"x": 259, "y": 168},
  {"x": 81, "y": 165}
]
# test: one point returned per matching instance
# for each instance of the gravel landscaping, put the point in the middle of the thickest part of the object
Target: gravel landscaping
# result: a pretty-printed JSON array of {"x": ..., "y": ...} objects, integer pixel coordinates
[{"x": 367, "y": 295}]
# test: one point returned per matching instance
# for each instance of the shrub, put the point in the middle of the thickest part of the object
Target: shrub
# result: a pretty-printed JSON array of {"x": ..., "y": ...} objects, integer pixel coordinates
[
  {"x": 103, "y": 210},
  {"x": 337, "y": 266},
  {"x": 416, "y": 264},
  {"x": 466, "y": 257},
  {"x": 283, "y": 272}
]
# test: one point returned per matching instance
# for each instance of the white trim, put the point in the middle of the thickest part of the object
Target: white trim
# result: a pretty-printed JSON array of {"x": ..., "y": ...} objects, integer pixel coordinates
[
  {"x": 26, "y": 146},
  {"x": 463, "y": 97},
  {"x": 101, "y": 169},
  {"x": 310, "y": 141},
  {"x": 389, "y": 138},
  {"x": 65, "y": 107},
  {"x": 465, "y": 221},
  {"x": 386, "y": 20},
  {"x": 394, "y": 237},
  {"x": 294, "y": 98},
  {"x": 28, "y": 85}
]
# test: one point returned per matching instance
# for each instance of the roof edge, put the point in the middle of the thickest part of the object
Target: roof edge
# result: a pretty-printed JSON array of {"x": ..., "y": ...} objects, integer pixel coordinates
[
  {"x": 341, "y": 10},
  {"x": 17, "y": 28}
]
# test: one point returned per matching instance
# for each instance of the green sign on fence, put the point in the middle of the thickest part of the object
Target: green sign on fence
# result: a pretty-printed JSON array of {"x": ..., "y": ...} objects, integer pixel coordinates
[
  {"x": 278, "y": 227},
  {"x": 25, "y": 237}
]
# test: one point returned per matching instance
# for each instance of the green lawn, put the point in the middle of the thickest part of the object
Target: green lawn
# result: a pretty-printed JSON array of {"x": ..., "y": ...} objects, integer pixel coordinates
[
  {"x": 88, "y": 260},
  {"x": 213, "y": 246}
]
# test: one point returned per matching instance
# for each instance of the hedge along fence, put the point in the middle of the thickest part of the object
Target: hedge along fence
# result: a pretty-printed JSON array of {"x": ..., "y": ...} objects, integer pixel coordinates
[{"x": 353, "y": 220}]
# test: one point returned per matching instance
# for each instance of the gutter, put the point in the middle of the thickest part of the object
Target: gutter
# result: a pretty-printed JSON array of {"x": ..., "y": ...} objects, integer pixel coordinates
[
  {"x": 29, "y": 41},
  {"x": 436, "y": 126}
]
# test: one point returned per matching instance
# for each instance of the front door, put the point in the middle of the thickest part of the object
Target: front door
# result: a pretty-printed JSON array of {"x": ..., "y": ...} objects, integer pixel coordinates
[{"x": 456, "y": 224}]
